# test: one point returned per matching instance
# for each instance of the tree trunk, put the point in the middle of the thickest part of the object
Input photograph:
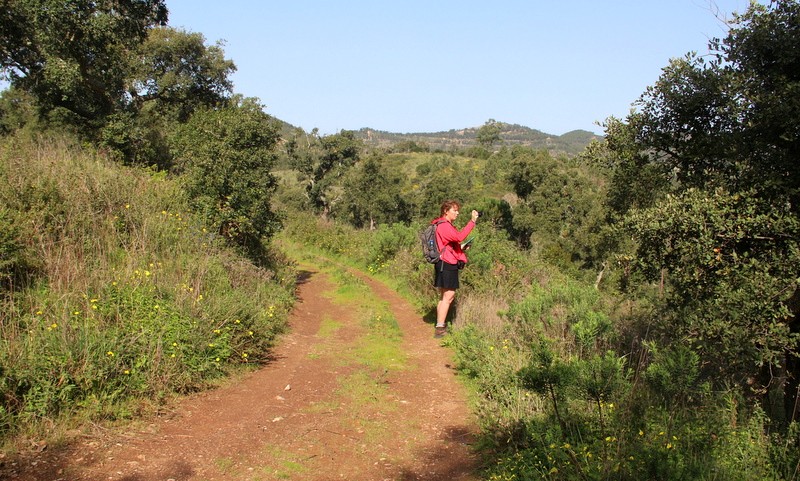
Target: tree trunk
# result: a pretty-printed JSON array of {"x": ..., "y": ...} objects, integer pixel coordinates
[{"x": 600, "y": 277}]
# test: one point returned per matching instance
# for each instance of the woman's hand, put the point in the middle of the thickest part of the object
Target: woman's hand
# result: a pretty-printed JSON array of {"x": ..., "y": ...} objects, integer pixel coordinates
[{"x": 475, "y": 215}]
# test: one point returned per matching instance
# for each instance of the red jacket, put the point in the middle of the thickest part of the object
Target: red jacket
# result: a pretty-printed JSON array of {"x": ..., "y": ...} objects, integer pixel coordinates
[{"x": 449, "y": 240}]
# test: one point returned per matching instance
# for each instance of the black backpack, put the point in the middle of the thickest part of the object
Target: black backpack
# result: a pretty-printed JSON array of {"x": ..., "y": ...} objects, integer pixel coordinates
[{"x": 430, "y": 251}]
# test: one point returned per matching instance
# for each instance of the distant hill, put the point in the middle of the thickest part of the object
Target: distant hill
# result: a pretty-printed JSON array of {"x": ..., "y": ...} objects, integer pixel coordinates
[{"x": 571, "y": 143}]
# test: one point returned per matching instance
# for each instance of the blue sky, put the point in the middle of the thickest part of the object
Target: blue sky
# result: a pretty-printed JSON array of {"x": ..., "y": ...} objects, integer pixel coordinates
[{"x": 427, "y": 66}]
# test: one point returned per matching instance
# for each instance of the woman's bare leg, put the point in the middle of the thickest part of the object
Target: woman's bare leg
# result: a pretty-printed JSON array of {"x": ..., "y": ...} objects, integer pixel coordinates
[{"x": 447, "y": 296}]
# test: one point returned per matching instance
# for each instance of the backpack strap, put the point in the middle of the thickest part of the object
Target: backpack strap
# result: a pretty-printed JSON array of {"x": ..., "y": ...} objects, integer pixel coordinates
[{"x": 440, "y": 221}]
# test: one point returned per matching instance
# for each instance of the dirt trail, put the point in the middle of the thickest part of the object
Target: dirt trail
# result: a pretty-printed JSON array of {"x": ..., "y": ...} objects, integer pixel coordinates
[{"x": 307, "y": 415}]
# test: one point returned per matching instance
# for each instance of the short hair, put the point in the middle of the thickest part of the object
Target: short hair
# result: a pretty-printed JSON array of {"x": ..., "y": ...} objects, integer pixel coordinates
[{"x": 448, "y": 204}]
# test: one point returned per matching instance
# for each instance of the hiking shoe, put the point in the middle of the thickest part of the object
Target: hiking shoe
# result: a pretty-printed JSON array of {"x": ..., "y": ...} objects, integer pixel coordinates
[{"x": 439, "y": 332}]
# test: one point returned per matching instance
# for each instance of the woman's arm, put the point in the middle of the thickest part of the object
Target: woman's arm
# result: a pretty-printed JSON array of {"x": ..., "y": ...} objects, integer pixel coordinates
[{"x": 449, "y": 233}]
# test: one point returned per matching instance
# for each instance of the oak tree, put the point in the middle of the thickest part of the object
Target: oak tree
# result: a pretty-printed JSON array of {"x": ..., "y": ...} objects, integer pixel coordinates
[
  {"x": 718, "y": 138},
  {"x": 73, "y": 56}
]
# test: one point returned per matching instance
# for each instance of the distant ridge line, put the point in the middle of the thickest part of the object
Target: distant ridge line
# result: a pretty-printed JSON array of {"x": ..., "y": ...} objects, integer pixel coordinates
[{"x": 571, "y": 143}]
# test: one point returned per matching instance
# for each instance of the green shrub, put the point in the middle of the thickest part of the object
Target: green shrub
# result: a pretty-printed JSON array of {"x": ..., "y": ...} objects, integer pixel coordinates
[
  {"x": 387, "y": 242},
  {"x": 16, "y": 260},
  {"x": 227, "y": 157}
]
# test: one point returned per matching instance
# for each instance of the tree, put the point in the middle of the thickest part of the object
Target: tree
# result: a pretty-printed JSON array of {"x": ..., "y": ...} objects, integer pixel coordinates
[
  {"x": 528, "y": 170},
  {"x": 635, "y": 181},
  {"x": 439, "y": 180},
  {"x": 731, "y": 258},
  {"x": 112, "y": 71},
  {"x": 171, "y": 75},
  {"x": 73, "y": 56},
  {"x": 175, "y": 73},
  {"x": 226, "y": 155},
  {"x": 488, "y": 134},
  {"x": 560, "y": 207},
  {"x": 733, "y": 121},
  {"x": 724, "y": 136},
  {"x": 373, "y": 194},
  {"x": 320, "y": 161}
]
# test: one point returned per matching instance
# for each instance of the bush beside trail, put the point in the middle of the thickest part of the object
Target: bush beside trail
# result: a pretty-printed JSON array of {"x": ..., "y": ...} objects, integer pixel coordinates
[{"x": 113, "y": 294}]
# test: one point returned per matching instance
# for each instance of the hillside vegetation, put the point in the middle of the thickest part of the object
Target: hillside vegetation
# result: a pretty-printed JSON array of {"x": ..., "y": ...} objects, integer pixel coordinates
[
  {"x": 115, "y": 294},
  {"x": 570, "y": 143},
  {"x": 629, "y": 311}
]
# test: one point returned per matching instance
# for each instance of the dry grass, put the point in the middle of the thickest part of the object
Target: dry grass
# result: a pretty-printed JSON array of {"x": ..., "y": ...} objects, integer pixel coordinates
[{"x": 481, "y": 311}]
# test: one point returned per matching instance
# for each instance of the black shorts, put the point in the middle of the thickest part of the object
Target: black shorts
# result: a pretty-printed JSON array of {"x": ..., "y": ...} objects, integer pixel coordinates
[{"x": 446, "y": 275}]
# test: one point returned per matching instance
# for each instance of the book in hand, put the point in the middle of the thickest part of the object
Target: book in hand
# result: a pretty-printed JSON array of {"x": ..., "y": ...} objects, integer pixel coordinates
[{"x": 467, "y": 242}]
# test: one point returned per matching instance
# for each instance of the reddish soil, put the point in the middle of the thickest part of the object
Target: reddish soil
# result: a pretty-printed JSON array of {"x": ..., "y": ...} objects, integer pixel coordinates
[{"x": 293, "y": 419}]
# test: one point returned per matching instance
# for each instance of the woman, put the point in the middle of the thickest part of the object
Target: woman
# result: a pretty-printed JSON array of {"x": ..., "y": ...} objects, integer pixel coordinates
[{"x": 452, "y": 257}]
